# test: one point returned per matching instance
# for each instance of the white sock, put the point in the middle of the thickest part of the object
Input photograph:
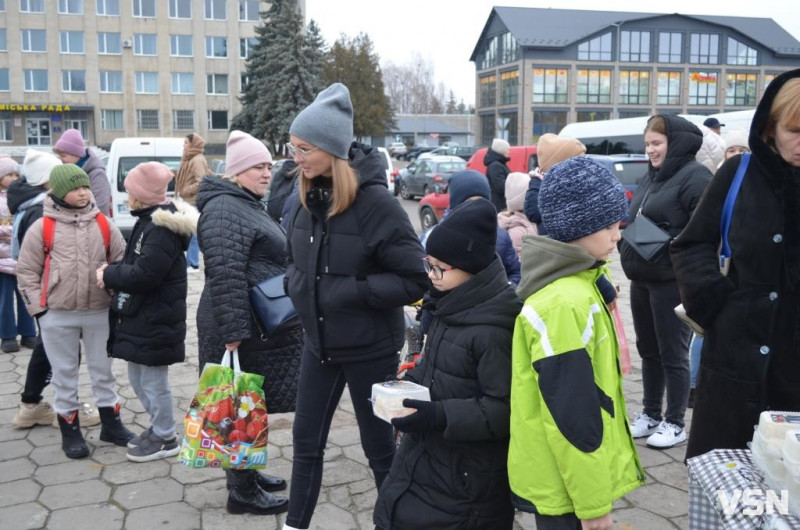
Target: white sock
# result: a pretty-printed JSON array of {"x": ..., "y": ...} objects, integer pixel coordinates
[{"x": 287, "y": 527}]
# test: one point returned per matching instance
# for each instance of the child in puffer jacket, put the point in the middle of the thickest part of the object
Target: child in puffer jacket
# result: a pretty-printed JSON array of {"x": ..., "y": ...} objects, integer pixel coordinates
[
  {"x": 59, "y": 288},
  {"x": 148, "y": 310}
]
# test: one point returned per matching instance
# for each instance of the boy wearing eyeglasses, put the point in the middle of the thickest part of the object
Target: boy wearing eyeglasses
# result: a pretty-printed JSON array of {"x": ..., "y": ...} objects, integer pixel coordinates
[
  {"x": 450, "y": 470},
  {"x": 571, "y": 453}
]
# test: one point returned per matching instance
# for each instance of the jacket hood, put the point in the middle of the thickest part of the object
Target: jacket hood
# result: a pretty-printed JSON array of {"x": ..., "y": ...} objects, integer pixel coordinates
[
  {"x": 92, "y": 162},
  {"x": 178, "y": 217},
  {"x": 366, "y": 160},
  {"x": 19, "y": 192},
  {"x": 684, "y": 140},
  {"x": 712, "y": 152},
  {"x": 486, "y": 299},
  {"x": 67, "y": 215},
  {"x": 545, "y": 260},
  {"x": 509, "y": 220},
  {"x": 213, "y": 186},
  {"x": 763, "y": 151},
  {"x": 494, "y": 156}
]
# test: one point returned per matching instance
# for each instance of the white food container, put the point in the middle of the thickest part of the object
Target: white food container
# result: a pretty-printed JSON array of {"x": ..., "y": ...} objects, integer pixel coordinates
[
  {"x": 791, "y": 455},
  {"x": 773, "y": 424},
  {"x": 387, "y": 398}
]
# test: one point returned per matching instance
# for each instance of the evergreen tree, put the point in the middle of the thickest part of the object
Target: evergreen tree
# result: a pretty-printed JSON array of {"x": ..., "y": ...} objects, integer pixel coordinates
[
  {"x": 283, "y": 72},
  {"x": 355, "y": 64},
  {"x": 452, "y": 107}
]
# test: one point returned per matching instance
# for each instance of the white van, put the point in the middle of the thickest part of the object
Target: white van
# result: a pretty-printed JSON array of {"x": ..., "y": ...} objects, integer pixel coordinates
[{"x": 127, "y": 153}]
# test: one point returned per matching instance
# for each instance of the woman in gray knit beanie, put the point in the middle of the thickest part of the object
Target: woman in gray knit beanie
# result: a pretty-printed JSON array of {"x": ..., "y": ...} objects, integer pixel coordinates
[{"x": 355, "y": 262}]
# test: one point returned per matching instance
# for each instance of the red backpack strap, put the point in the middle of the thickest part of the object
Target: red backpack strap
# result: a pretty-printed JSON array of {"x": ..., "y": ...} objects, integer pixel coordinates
[
  {"x": 48, "y": 232},
  {"x": 102, "y": 222}
]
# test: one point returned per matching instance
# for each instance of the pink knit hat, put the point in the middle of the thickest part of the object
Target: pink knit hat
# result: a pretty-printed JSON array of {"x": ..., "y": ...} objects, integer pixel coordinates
[
  {"x": 71, "y": 142},
  {"x": 243, "y": 152},
  {"x": 8, "y": 166},
  {"x": 147, "y": 182}
]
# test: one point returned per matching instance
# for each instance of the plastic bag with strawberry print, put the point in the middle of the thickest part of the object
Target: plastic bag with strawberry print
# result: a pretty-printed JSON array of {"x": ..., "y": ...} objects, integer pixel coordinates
[{"x": 226, "y": 426}]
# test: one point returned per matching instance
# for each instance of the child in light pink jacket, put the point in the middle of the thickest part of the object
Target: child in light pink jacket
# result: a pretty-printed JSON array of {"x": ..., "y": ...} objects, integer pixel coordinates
[{"x": 513, "y": 219}]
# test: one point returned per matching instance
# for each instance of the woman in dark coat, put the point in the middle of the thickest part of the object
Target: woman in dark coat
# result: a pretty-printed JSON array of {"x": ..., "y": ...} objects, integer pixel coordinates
[
  {"x": 667, "y": 195},
  {"x": 242, "y": 246},
  {"x": 496, "y": 161},
  {"x": 751, "y": 352},
  {"x": 356, "y": 262},
  {"x": 450, "y": 472}
]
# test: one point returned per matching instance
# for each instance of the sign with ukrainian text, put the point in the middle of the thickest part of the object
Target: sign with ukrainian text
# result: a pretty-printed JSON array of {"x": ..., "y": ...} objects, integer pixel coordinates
[{"x": 35, "y": 107}]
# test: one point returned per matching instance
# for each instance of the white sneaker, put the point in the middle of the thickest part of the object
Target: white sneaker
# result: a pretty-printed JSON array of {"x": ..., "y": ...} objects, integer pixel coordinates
[
  {"x": 643, "y": 425},
  {"x": 192, "y": 270},
  {"x": 667, "y": 435}
]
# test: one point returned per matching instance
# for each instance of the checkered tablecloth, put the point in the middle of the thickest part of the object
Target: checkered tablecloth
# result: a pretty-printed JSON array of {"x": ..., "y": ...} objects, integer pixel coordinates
[{"x": 728, "y": 470}]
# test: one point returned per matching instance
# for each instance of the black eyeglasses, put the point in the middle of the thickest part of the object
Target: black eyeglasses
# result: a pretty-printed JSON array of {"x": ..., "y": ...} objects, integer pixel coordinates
[{"x": 438, "y": 272}]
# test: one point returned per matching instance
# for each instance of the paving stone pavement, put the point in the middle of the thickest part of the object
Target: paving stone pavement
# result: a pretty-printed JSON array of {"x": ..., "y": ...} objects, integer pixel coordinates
[{"x": 42, "y": 488}]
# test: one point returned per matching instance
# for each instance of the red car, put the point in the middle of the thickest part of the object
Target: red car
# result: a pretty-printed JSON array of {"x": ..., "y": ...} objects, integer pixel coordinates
[
  {"x": 523, "y": 159},
  {"x": 432, "y": 207}
]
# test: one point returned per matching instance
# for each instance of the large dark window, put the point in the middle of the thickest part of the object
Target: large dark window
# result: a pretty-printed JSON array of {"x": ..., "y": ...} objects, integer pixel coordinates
[
  {"x": 741, "y": 54},
  {"x": 550, "y": 85},
  {"x": 594, "y": 115},
  {"x": 704, "y": 48},
  {"x": 487, "y": 128},
  {"x": 669, "y": 47},
  {"x": 507, "y": 127},
  {"x": 702, "y": 88},
  {"x": 669, "y": 88},
  {"x": 509, "y": 49},
  {"x": 597, "y": 49},
  {"x": 489, "y": 58},
  {"x": 634, "y": 46},
  {"x": 509, "y": 87},
  {"x": 548, "y": 121},
  {"x": 488, "y": 84}
]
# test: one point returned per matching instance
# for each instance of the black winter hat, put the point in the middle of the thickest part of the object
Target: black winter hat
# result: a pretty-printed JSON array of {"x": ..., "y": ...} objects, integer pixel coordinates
[{"x": 466, "y": 238}]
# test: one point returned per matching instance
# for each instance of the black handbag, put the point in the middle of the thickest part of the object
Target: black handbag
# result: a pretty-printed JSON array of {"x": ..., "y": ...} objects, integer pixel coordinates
[
  {"x": 272, "y": 308},
  {"x": 646, "y": 237}
]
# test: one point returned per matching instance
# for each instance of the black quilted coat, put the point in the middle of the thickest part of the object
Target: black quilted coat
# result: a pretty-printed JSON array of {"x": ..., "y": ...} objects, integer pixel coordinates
[
  {"x": 153, "y": 272},
  {"x": 351, "y": 275},
  {"x": 241, "y": 246},
  {"x": 497, "y": 171},
  {"x": 458, "y": 478},
  {"x": 751, "y": 352}
]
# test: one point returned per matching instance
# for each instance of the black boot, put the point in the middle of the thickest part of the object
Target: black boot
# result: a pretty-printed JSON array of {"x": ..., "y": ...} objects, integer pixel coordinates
[
  {"x": 72, "y": 441},
  {"x": 247, "y": 497},
  {"x": 266, "y": 482},
  {"x": 112, "y": 429}
]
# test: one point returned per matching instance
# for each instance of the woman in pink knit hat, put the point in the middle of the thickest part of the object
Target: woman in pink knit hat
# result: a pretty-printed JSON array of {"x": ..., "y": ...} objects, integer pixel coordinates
[{"x": 71, "y": 149}]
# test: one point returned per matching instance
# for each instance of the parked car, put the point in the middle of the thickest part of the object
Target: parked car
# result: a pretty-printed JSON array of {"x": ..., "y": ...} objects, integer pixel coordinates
[
  {"x": 421, "y": 179},
  {"x": 523, "y": 159},
  {"x": 127, "y": 153},
  {"x": 629, "y": 169},
  {"x": 432, "y": 207},
  {"x": 217, "y": 166},
  {"x": 396, "y": 149},
  {"x": 388, "y": 167},
  {"x": 414, "y": 152},
  {"x": 439, "y": 151},
  {"x": 464, "y": 152}
]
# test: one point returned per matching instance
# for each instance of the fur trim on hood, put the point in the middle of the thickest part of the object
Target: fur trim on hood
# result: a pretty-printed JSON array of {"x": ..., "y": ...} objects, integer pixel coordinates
[{"x": 183, "y": 221}]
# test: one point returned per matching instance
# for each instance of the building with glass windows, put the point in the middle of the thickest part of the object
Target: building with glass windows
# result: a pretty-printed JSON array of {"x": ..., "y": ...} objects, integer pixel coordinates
[
  {"x": 118, "y": 68},
  {"x": 540, "y": 69}
]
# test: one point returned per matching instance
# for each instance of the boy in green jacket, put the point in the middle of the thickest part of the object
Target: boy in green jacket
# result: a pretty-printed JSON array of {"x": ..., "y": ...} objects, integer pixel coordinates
[{"x": 571, "y": 453}]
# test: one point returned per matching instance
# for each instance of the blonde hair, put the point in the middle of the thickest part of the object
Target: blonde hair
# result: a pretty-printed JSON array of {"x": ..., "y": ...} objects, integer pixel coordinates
[
  {"x": 345, "y": 187},
  {"x": 136, "y": 204},
  {"x": 785, "y": 107}
]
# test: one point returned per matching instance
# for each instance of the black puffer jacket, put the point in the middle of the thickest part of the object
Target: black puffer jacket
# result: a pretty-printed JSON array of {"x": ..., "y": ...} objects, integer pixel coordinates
[
  {"x": 458, "y": 478},
  {"x": 19, "y": 193},
  {"x": 497, "y": 171},
  {"x": 751, "y": 352},
  {"x": 153, "y": 272},
  {"x": 351, "y": 275},
  {"x": 241, "y": 246},
  {"x": 670, "y": 195}
]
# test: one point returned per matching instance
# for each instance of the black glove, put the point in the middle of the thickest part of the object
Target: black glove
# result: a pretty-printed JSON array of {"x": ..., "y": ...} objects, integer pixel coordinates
[{"x": 428, "y": 417}]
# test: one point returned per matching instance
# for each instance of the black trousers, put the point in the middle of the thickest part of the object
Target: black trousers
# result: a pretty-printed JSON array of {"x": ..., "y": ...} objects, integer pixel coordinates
[
  {"x": 663, "y": 343},
  {"x": 38, "y": 375},
  {"x": 319, "y": 390}
]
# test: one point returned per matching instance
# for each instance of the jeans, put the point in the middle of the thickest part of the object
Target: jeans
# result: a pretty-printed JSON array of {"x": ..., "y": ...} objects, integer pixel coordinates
[
  {"x": 193, "y": 253},
  {"x": 38, "y": 375},
  {"x": 13, "y": 323},
  {"x": 319, "y": 390},
  {"x": 568, "y": 521},
  {"x": 663, "y": 343},
  {"x": 694, "y": 359},
  {"x": 151, "y": 384}
]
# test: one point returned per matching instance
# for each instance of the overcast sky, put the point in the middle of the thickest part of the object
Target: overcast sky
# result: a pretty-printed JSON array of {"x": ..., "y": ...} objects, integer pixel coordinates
[{"x": 445, "y": 31}]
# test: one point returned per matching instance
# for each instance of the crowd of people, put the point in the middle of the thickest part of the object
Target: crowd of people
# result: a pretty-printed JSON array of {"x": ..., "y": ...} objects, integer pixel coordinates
[{"x": 526, "y": 408}]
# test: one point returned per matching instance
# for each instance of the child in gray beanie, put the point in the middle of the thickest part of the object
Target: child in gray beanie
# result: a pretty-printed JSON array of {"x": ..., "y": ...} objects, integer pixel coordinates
[{"x": 569, "y": 429}]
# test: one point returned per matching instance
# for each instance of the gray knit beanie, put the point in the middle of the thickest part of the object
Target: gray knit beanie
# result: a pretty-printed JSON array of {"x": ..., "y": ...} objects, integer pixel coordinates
[
  {"x": 579, "y": 197},
  {"x": 328, "y": 122}
]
